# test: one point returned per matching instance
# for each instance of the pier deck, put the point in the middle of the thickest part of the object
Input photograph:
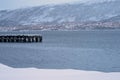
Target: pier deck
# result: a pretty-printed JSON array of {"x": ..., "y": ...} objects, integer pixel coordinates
[{"x": 20, "y": 38}]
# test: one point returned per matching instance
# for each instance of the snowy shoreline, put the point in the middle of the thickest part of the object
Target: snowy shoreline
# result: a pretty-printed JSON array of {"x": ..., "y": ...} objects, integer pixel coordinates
[{"x": 8, "y": 73}]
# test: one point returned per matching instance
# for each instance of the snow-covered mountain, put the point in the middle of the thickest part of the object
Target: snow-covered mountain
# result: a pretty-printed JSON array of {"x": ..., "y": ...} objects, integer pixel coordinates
[
  {"x": 113, "y": 19},
  {"x": 76, "y": 16},
  {"x": 61, "y": 13}
]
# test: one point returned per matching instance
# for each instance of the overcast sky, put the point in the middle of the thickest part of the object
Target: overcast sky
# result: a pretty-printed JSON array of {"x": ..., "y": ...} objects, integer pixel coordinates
[{"x": 13, "y": 4}]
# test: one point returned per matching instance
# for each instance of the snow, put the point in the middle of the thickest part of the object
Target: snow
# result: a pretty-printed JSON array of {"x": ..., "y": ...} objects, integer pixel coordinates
[
  {"x": 7, "y": 73},
  {"x": 43, "y": 17},
  {"x": 93, "y": 19},
  {"x": 67, "y": 19},
  {"x": 51, "y": 9}
]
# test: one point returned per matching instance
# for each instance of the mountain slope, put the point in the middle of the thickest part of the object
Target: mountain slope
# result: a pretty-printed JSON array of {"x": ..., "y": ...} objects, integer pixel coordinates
[
  {"x": 61, "y": 13},
  {"x": 113, "y": 19}
]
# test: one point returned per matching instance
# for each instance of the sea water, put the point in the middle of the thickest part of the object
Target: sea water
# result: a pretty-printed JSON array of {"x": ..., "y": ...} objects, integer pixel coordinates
[{"x": 80, "y": 50}]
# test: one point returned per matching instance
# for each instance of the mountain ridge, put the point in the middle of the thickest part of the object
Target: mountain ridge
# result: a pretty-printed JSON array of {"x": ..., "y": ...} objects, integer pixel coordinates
[{"x": 60, "y": 14}]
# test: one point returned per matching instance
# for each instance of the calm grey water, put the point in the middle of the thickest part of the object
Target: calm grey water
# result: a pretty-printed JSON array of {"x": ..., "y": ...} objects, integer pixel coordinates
[{"x": 81, "y": 50}]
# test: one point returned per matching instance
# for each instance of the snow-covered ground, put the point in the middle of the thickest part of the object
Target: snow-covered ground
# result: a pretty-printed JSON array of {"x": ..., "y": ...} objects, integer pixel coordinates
[{"x": 7, "y": 73}]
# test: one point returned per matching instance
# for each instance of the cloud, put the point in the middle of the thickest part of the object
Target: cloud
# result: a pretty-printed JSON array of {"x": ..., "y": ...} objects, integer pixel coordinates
[
  {"x": 42, "y": 2},
  {"x": 12, "y": 4}
]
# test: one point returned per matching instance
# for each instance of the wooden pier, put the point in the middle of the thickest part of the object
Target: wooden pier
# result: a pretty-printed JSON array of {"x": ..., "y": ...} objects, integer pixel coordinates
[{"x": 20, "y": 38}]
